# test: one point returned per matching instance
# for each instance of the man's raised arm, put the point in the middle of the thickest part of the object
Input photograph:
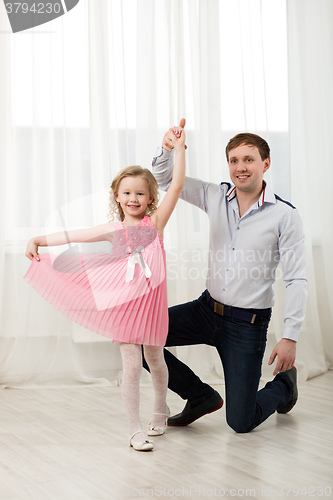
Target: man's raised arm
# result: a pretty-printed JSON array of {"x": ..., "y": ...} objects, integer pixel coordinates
[{"x": 163, "y": 159}]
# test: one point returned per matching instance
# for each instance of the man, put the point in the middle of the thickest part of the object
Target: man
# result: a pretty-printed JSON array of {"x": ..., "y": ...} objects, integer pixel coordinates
[{"x": 253, "y": 229}]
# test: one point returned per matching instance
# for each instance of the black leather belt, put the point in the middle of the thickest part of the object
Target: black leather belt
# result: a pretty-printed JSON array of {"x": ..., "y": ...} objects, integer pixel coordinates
[{"x": 248, "y": 315}]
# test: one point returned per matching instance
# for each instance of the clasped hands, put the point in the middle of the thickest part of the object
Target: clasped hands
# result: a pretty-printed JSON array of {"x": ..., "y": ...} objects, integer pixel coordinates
[{"x": 171, "y": 136}]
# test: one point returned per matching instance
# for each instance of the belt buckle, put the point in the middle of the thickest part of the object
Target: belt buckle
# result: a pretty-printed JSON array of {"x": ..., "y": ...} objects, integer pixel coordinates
[{"x": 218, "y": 308}]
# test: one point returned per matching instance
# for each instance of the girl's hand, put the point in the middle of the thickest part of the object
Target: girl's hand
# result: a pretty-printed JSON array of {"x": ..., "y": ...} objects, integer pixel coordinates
[
  {"x": 32, "y": 250},
  {"x": 178, "y": 138}
]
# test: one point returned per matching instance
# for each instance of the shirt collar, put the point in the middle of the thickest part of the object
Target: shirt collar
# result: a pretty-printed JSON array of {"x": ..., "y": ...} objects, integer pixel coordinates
[
  {"x": 231, "y": 194},
  {"x": 267, "y": 196}
]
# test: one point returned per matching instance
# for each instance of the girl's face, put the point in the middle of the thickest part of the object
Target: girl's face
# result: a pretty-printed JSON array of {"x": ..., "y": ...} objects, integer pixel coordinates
[{"x": 133, "y": 196}]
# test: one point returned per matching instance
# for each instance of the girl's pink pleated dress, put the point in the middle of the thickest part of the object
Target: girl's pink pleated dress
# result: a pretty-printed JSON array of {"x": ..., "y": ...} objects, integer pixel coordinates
[{"x": 121, "y": 295}]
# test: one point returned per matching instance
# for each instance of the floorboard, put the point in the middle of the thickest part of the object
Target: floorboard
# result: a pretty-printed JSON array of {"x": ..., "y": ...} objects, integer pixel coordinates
[{"x": 72, "y": 445}]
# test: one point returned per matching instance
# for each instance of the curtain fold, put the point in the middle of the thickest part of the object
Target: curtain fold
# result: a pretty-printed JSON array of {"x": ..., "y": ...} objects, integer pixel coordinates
[
  {"x": 5, "y": 138},
  {"x": 96, "y": 93},
  {"x": 310, "y": 51}
]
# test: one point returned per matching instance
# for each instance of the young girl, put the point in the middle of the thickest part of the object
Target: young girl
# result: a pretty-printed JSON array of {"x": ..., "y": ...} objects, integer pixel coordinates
[{"x": 121, "y": 295}]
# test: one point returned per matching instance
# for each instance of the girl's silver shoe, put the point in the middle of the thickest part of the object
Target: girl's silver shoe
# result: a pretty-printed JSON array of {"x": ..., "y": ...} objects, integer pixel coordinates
[
  {"x": 159, "y": 430},
  {"x": 146, "y": 445}
]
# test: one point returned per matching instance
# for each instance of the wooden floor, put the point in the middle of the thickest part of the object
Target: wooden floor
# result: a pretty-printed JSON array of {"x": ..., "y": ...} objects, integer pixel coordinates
[{"x": 72, "y": 445}]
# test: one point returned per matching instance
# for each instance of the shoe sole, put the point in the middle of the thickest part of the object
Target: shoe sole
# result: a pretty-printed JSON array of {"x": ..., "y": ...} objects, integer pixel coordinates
[
  {"x": 188, "y": 423},
  {"x": 150, "y": 448}
]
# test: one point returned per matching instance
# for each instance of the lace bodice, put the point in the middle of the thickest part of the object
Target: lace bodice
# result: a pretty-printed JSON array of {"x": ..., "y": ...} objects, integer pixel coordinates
[{"x": 131, "y": 238}]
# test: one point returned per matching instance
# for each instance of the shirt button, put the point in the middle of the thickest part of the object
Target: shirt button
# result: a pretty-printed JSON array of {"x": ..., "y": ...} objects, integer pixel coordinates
[
  {"x": 237, "y": 227},
  {"x": 233, "y": 249},
  {"x": 224, "y": 289}
]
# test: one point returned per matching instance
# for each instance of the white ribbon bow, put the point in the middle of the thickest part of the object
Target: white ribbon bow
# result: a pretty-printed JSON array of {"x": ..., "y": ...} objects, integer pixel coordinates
[{"x": 136, "y": 257}]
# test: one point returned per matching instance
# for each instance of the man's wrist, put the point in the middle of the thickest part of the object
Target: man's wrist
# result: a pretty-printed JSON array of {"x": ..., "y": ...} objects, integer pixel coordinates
[
  {"x": 165, "y": 152},
  {"x": 290, "y": 335},
  {"x": 289, "y": 340}
]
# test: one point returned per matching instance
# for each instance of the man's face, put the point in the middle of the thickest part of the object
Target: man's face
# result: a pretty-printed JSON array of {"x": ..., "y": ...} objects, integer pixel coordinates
[{"x": 247, "y": 169}]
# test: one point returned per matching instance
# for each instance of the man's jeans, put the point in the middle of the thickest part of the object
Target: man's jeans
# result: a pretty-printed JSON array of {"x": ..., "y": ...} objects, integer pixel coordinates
[{"x": 241, "y": 347}]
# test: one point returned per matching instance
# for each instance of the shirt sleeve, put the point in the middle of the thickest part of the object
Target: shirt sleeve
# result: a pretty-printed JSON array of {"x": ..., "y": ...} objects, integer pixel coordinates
[
  {"x": 292, "y": 253},
  {"x": 195, "y": 191}
]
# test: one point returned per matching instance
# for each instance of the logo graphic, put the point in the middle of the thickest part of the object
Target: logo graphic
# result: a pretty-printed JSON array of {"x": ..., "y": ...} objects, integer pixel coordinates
[{"x": 28, "y": 14}]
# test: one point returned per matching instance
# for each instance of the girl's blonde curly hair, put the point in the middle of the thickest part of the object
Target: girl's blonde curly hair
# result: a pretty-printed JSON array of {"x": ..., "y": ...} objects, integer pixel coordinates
[{"x": 115, "y": 210}]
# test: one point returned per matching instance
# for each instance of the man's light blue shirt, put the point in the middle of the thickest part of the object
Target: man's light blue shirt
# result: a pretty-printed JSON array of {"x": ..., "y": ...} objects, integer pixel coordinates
[{"x": 244, "y": 252}]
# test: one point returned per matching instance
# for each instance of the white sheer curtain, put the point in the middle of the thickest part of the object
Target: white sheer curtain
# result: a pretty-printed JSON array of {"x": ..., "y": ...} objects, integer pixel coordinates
[
  {"x": 94, "y": 91},
  {"x": 310, "y": 51}
]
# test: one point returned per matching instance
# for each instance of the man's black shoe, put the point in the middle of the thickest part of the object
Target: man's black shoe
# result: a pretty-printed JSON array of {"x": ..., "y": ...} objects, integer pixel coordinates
[
  {"x": 292, "y": 374},
  {"x": 189, "y": 415}
]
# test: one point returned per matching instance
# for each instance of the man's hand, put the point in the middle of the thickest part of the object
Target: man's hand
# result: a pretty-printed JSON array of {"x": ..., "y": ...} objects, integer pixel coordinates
[
  {"x": 285, "y": 350},
  {"x": 167, "y": 143}
]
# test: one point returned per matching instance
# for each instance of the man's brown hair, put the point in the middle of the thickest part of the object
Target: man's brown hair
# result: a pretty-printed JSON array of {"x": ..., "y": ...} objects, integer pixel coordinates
[{"x": 249, "y": 140}]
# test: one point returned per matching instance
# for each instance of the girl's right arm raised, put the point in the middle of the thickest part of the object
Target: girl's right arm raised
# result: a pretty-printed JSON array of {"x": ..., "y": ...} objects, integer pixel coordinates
[
  {"x": 102, "y": 232},
  {"x": 164, "y": 211}
]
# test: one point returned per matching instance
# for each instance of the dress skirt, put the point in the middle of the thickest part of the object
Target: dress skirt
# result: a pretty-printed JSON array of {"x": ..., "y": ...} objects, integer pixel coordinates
[{"x": 121, "y": 295}]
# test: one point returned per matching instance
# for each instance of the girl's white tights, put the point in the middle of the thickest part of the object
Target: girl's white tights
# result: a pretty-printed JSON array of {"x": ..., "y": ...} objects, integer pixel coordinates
[
  {"x": 132, "y": 368},
  {"x": 159, "y": 373}
]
